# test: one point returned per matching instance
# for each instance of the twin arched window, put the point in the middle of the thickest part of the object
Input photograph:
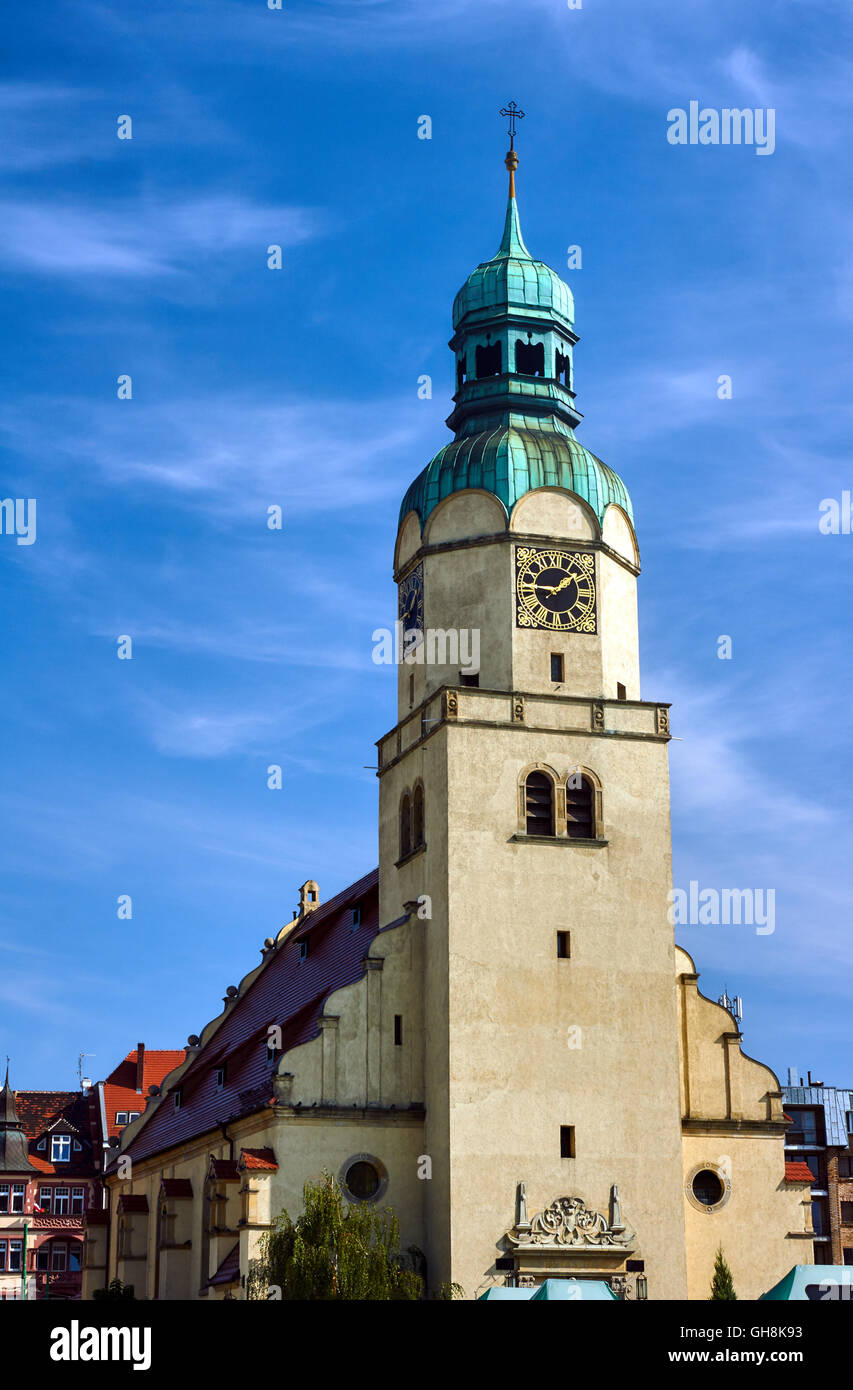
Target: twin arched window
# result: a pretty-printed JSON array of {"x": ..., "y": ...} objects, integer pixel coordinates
[
  {"x": 551, "y": 806},
  {"x": 411, "y": 820}
]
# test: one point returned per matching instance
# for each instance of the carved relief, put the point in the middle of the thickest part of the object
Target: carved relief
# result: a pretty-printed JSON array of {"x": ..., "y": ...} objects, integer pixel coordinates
[
  {"x": 662, "y": 720},
  {"x": 518, "y": 709},
  {"x": 569, "y": 1222},
  {"x": 598, "y": 715},
  {"x": 451, "y": 704}
]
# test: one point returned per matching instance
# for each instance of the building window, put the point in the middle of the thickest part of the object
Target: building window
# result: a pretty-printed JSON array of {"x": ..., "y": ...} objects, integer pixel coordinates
[
  {"x": 45, "y": 1199},
  {"x": 411, "y": 691},
  {"x": 822, "y": 1254},
  {"x": 133, "y": 1115},
  {"x": 564, "y": 949},
  {"x": 819, "y": 1222},
  {"x": 850, "y": 1121},
  {"x": 848, "y": 1256},
  {"x": 59, "y": 1257},
  {"x": 271, "y": 1054},
  {"x": 621, "y": 692},
  {"x": 707, "y": 1188},
  {"x": 418, "y": 817},
  {"x": 539, "y": 804},
  {"x": 121, "y": 1117},
  {"x": 61, "y": 1198},
  {"x": 179, "y": 1098},
  {"x": 356, "y": 918},
  {"x": 220, "y": 1078},
  {"x": 567, "y": 1141},
  {"x": 487, "y": 360},
  {"x": 557, "y": 667},
  {"x": 405, "y": 826},
  {"x": 15, "y": 1249},
  {"x": 43, "y": 1257},
  {"x": 529, "y": 358},
  {"x": 60, "y": 1148},
  {"x": 580, "y": 823},
  {"x": 4, "y": 1196},
  {"x": 2, "y": 1255},
  {"x": 303, "y": 949},
  {"x": 74, "y": 1262},
  {"x": 41, "y": 1145},
  {"x": 563, "y": 367},
  {"x": 78, "y": 1201},
  {"x": 398, "y": 1030},
  {"x": 18, "y": 1194},
  {"x": 363, "y": 1178},
  {"x": 470, "y": 678},
  {"x": 847, "y": 1213}
]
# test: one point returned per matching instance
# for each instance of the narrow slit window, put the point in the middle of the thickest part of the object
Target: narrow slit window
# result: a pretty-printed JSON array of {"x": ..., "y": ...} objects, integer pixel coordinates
[
  {"x": 398, "y": 1030},
  {"x": 621, "y": 692},
  {"x": 567, "y": 1141},
  {"x": 471, "y": 678},
  {"x": 557, "y": 667},
  {"x": 564, "y": 945}
]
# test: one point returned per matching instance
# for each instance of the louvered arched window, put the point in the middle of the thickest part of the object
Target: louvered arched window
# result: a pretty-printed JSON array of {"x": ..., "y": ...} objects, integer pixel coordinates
[
  {"x": 539, "y": 804},
  {"x": 580, "y": 809}
]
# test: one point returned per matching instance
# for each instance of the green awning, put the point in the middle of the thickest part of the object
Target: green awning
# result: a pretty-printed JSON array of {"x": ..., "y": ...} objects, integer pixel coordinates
[{"x": 815, "y": 1283}]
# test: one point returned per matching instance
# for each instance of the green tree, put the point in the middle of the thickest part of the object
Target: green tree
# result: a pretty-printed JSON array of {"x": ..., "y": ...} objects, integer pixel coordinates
[
  {"x": 334, "y": 1251},
  {"x": 722, "y": 1284},
  {"x": 115, "y": 1289}
]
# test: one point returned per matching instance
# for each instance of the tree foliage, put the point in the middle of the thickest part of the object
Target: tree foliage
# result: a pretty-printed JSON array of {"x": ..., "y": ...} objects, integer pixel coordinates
[
  {"x": 722, "y": 1284},
  {"x": 334, "y": 1251}
]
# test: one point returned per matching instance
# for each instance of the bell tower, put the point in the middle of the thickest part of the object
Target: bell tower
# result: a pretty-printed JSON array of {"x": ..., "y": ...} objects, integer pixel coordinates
[{"x": 524, "y": 804}]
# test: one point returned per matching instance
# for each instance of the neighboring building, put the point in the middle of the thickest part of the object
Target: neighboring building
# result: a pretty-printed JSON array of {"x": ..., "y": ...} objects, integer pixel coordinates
[
  {"x": 821, "y": 1137},
  {"x": 121, "y": 1097},
  {"x": 494, "y": 1032},
  {"x": 48, "y": 1181}
]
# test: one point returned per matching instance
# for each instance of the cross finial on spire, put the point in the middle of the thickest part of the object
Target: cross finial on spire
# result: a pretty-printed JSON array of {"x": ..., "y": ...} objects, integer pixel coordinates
[{"x": 511, "y": 161}]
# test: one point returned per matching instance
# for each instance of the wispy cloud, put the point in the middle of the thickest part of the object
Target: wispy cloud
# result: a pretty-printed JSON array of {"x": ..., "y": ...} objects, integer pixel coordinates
[{"x": 143, "y": 238}]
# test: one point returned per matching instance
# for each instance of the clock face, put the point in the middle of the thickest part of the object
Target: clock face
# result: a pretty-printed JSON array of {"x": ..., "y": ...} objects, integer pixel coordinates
[
  {"x": 555, "y": 589},
  {"x": 411, "y": 601}
]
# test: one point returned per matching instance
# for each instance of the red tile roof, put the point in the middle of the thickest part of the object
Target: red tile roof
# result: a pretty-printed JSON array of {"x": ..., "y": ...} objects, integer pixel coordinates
[
  {"x": 286, "y": 992},
  {"x": 44, "y": 1113},
  {"x": 120, "y": 1093},
  {"x": 176, "y": 1187},
  {"x": 258, "y": 1158},
  {"x": 796, "y": 1170},
  {"x": 133, "y": 1201},
  {"x": 229, "y": 1271}
]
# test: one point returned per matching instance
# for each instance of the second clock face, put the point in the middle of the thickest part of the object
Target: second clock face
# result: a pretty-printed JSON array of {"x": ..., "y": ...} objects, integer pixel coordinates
[
  {"x": 555, "y": 589},
  {"x": 410, "y": 605}
]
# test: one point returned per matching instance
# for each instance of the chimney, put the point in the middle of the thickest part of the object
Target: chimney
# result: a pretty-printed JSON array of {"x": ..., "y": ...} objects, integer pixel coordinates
[{"x": 140, "y": 1066}]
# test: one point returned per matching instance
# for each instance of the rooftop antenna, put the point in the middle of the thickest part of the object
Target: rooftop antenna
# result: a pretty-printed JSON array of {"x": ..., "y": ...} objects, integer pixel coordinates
[
  {"x": 734, "y": 1006},
  {"x": 80, "y": 1057}
]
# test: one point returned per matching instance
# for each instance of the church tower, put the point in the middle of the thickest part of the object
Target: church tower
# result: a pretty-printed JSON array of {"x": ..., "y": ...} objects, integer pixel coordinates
[{"x": 524, "y": 806}]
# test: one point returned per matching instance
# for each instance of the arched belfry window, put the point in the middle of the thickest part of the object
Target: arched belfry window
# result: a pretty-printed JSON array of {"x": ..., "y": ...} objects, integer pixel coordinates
[
  {"x": 417, "y": 816},
  {"x": 405, "y": 826},
  {"x": 580, "y": 808},
  {"x": 487, "y": 359},
  {"x": 539, "y": 804},
  {"x": 529, "y": 358},
  {"x": 563, "y": 368}
]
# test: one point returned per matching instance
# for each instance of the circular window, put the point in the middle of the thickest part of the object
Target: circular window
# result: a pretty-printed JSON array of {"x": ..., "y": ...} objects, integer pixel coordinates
[
  {"x": 707, "y": 1188},
  {"x": 363, "y": 1178}
]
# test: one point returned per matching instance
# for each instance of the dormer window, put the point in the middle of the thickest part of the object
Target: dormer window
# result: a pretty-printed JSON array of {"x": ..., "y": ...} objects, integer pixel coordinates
[
  {"x": 41, "y": 1145},
  {"x": 121, "y": 1117},
  {"x": 179, "y": 1098},
  {"x": 60, "y": 1148}
]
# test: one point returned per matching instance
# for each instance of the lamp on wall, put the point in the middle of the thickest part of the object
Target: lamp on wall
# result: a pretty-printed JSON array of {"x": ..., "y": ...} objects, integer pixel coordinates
[{"x": 642, "y": 1288}]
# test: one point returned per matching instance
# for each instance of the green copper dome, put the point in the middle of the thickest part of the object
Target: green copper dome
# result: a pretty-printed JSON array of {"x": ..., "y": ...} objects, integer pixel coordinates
[
  {"x": 513, "y": 279},
  {"x": 512, "y": 460}
]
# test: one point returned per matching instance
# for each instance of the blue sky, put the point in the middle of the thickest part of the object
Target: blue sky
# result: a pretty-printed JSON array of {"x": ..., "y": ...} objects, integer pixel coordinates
[{"x": 298, "y": 387}]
